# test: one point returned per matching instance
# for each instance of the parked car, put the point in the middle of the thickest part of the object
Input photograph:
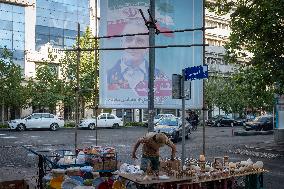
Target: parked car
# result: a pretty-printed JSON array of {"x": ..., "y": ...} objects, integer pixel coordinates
[
  {"x": 104, "y": 120},
  {"x": 240, "y": 121},
  {"x": 221, "y": 121},
  {"x": 158, "y": 117},
  {"x": 261, "y": 123},
  {"x": 172, "y": 127},
  {"x": 37, "y": 121}
]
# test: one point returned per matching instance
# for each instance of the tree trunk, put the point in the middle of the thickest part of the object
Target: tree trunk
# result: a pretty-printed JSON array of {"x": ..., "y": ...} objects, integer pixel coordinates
[{"x": 2, "y": 112}]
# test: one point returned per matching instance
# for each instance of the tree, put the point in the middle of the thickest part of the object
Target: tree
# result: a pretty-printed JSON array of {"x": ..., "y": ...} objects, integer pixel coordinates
[
  {"x": 257, "y": 29},
  {"x": 88, "y": 73},
  {"x": 46, "y": 89},
  {"x": 13, "y": 94}
]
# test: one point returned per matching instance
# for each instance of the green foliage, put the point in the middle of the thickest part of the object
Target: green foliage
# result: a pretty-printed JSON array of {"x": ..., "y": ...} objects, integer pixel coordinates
[
  {"x": 5, "y": 126},
  {"x": 46, "y": 89},
  {"x": 70, "y": 125},
  {"x": 236, "y": 94},
  {"x": 257, "y": 29},
  {"x": 12, "y": 91},
  {"x": 130, "y": 124},
  {"x": 88, "y": 73}
]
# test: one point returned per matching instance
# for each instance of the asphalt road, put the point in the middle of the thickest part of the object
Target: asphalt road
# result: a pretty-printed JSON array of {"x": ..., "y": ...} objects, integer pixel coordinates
[{"x": 16, "y": 162}]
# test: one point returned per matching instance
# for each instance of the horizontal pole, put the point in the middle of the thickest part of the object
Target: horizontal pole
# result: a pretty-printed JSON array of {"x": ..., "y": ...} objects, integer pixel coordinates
[
  {"x": 147, "y": 33},
  {"x": 125, "y": 48}
]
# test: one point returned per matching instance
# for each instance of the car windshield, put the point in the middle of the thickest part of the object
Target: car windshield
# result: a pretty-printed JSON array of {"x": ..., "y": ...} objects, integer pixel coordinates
[
  {"x": 260, "y": 119},
  {"x": 169, "y": 122},
  {"x": 158, "y": 116}
]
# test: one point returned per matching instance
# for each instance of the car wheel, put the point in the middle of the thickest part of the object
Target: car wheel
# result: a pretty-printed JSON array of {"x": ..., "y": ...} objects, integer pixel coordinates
[
  {"x": 187, "y": 135},
  {"x": 115, "y": 126},
  {"x": 54, "y": 126},
  {"x": 175, "y": 140},
  {"x": 92, "y": 126},
  {"x": 21, "y": 127}
]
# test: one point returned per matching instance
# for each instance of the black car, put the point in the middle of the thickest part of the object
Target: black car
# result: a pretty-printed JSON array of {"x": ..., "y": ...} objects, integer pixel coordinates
[
  {"x": 261, "y": 123},
  {"x": 221, "y": 121},
  {"x": 172, "y": 127}
]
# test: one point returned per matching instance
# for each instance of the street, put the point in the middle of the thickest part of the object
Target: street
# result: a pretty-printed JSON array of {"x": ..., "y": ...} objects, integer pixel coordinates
[{"x": 16, "y": 162}]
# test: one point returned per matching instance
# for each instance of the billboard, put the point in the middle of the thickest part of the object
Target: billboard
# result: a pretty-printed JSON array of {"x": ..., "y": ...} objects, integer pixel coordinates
[{"x": 124, "y": 73}]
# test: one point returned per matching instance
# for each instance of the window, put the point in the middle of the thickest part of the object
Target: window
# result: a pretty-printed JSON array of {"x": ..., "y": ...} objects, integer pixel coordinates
[
  {"x": 110, "y": 117},
  {"x": 103, "y": 117},
  {"x": 36, "y": 116},
  {"x": 51, "y": 116},
  {"x": 45, "y": 115}
]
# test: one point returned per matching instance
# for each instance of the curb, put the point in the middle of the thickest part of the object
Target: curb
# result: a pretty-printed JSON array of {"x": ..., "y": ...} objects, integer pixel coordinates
[{"x": 252, "y": 133}]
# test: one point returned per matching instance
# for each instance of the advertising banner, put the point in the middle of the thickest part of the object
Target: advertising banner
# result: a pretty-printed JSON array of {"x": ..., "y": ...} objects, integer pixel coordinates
[{"x": 124, "y": 73}]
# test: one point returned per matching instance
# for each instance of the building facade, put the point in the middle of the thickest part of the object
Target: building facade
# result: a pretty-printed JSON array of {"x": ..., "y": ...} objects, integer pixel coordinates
[{"x": 31, "y": 29}]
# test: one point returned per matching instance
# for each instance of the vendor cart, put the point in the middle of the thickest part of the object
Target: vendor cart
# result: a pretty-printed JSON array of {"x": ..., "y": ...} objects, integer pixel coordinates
[{"x": 50, "y": 159}]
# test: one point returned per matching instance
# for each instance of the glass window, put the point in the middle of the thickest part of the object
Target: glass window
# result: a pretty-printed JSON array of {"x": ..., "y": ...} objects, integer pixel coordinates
[
  {"x": 5, "y": 34},
  {"x": 18, "y": 55},
  {"x": 51, "y": 116},
  {"x": 58, "y": 41},
  {"x": 6, "y": 25},
  {"x": 18, "y": 9},
  {"x": 41, "y": 40},
  {"x": 7, "y": 43},
  {"x": 42, "y": 21},
  {"x": 36, "y": 116},
  {"x": 18, "y": 45},
  {"x": 4, "y": 15},
  {"x": 18, "y": 26},
  {"x": 18, "y": 18},
  {"x": 41, "y": 3},
  {"x": 70, "y": 25},
  {"x": 6, "y": 7},
  {"x": 42, "y": 30},
  {"x": 20, "y": 36},
  {"x": 110, "y": 117},
  {"x": 45, "y": 115},
  {"x": 103, "y": 117},
  {"x": 56, "y": 31},
  {"x": 69, "y": 42},
  {"x": 70, "y": 33}
]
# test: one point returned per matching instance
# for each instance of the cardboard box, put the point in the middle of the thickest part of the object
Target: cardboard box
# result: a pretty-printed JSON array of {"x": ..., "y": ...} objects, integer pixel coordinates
[
  {"x": 15, "y": 184},
  {"x": 173, "y": 165}
]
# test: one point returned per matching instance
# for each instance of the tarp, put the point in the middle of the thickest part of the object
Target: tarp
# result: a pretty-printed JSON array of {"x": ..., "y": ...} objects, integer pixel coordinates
[{"x": 124, "y": 73}]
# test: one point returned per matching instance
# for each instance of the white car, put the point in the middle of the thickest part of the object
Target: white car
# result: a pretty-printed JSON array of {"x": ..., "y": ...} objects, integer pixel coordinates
[
  {"x": 104, "y": 120},
  {"x": 37, "y": 121},
  {"x": 158, "y": 117}
]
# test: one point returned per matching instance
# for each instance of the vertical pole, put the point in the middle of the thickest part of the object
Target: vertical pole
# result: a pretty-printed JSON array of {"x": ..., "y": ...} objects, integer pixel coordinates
[
  {"x": 96, "y": 69},
  {"x": 77, "y": 87},
  {"x": 183, "y": 118},
  {"x": 203, "y": 106},
  {"x": 151, "y": 69}
]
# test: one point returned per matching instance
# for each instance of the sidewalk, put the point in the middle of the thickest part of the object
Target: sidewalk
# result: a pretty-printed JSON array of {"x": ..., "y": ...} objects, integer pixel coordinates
[{"x": 268, "y": 146}]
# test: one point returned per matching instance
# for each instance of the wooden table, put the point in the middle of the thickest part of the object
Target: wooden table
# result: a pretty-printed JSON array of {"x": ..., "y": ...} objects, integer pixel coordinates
[{"x": 188, "y": 182}]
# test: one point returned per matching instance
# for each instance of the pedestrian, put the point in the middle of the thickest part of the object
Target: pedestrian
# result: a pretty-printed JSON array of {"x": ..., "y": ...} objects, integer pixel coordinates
[{"x": 152, "y": 142}]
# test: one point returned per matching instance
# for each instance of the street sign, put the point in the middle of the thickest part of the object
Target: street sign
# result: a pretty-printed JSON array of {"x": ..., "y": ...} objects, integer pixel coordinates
[{"x": 196, "y": 72}]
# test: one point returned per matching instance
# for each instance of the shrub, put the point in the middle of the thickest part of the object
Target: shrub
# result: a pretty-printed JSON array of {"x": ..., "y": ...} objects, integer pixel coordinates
[
  {"x": 129, "y": 124},
  {"x": 4, "y": 126}
]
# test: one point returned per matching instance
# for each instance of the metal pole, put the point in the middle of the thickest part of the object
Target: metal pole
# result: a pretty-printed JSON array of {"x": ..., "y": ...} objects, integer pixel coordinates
[
  {"x": 151, "y": 69},
  {"x": 77, "y": 112},
  {"x": 183, "y": 118},
  {"x": 96, "y": 68},
  {"x": 203, "y": 106}
]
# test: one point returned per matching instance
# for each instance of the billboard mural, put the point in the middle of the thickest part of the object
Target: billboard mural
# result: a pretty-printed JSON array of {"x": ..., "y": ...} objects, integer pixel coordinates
[{"x": 124, "y": 73}]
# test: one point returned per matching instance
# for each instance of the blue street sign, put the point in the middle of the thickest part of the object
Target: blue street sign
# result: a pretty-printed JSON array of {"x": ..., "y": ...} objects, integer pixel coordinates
[{"x": 196, "y": 72}]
